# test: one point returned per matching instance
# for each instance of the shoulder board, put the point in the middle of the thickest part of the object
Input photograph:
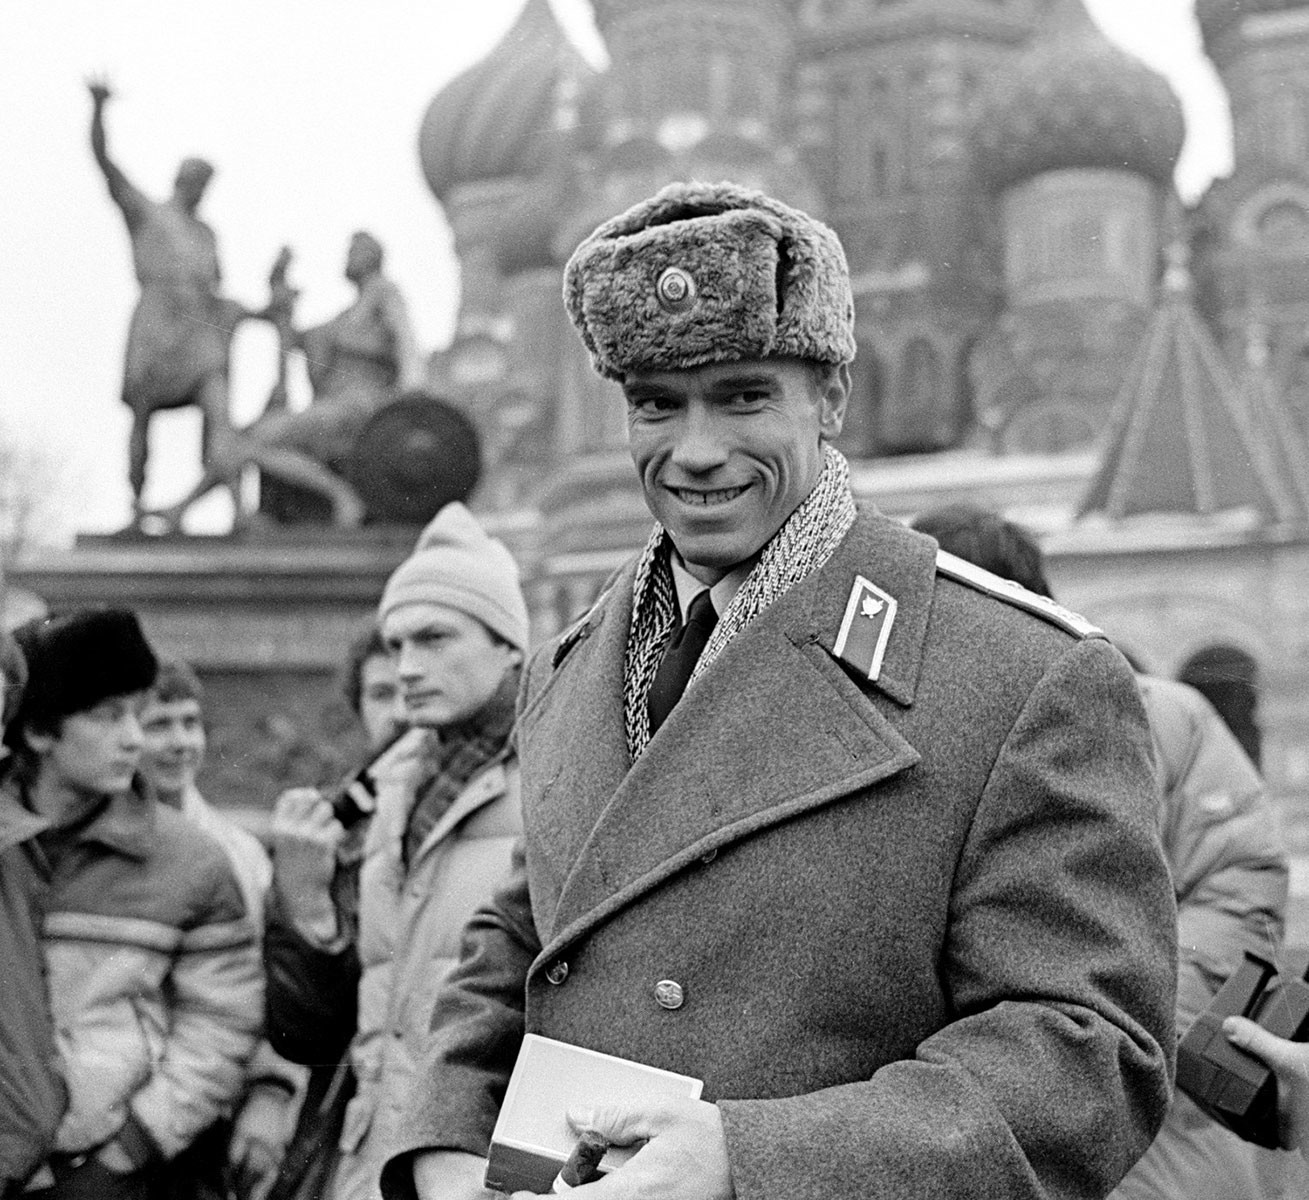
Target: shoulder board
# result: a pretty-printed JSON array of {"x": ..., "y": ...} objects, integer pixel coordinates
[{"x": 981, "y": 580}]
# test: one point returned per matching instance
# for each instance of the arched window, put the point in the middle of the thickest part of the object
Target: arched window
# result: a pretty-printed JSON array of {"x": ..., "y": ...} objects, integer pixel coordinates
[
  {"x": 1284, "y": 223},
  {"x": 859, "y": 433},
  {"x": 1229, "y": 680},
  {"x": 911, "y": 419}
]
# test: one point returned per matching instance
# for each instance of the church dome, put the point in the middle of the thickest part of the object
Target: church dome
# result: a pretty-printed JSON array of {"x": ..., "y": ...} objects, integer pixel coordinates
[
  {"x": 1217, "y": 16},
  {"x": 1076, "y": 100},
  {"x": 499, "y": 117}
]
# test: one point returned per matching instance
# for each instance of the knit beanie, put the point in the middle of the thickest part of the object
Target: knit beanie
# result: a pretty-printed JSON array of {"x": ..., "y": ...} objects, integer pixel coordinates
[
  {"x": 457, "y": 564},
  {"x": 703, "y": 273},
  {"x": 75, "y": 660}
]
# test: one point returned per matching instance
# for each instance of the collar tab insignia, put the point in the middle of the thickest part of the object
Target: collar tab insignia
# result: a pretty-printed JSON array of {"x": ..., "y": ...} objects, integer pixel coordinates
[{"x": 865, "y": 628}]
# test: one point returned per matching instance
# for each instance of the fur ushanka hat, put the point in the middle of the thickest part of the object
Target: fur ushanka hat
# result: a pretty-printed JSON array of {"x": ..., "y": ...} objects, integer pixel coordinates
[
  {"x": 76, "y": 660},
  {"x": 705, "y": 273}
]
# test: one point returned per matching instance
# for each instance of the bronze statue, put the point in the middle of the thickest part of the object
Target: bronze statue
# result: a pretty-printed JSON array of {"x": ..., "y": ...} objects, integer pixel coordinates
[
  {"x": 179, "y": 340},
  {"x": 356, "y": 362}
]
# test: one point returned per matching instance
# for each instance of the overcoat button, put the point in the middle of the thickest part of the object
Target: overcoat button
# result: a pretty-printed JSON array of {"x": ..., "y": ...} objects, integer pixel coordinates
[
  {"x": 669, "y": 994},
  {"x": 557, "y": 973}
]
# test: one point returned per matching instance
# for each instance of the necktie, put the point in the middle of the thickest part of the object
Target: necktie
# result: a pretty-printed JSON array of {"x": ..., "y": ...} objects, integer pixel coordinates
[{"x": 680, "y": 656}]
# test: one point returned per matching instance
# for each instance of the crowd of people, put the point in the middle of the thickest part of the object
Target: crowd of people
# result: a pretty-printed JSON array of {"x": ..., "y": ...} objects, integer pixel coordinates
[{"x": 848, "y": 820}]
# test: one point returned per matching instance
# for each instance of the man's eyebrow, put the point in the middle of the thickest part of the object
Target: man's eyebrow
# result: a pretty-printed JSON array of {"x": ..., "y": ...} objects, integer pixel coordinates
[
  {"x": 742, "y": 383},
  {"x": 427, "y": 629},
  {"x": 645, "y": 391}
]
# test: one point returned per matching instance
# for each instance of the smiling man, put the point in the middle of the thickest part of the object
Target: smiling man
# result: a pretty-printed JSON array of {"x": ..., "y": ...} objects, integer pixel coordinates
[
  {"x": 249, "y": 1147},
  {"x": 453, "y": 620},
  {"x": 153, "y": 970},
  {"x": 811, "y": 813}
]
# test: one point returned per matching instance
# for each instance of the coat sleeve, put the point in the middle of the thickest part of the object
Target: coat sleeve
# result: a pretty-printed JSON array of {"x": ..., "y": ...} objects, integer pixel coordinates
[
  {"x": 1053, "y": 1074},
  {"x": 313, "y": 993},
  {"x": 216, "y": 988},
  {"x": 477, "y": 1025},
  {"x": 32, "y": 1095}
]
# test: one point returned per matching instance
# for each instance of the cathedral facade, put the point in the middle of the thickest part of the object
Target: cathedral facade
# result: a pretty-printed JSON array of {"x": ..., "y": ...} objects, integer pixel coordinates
[{"x": 1043, "y": 326}]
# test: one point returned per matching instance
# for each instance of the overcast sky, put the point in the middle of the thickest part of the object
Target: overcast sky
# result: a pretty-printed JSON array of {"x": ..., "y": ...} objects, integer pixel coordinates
[{"x": 309, "y": 109}]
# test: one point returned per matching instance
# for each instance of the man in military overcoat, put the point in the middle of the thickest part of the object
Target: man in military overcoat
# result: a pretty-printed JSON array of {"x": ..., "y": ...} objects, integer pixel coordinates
[{"x": 811, "y": 814}]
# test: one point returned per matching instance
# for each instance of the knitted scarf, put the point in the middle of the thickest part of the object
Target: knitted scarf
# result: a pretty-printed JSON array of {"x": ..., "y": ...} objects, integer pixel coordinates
[
  {"x": 804, "y": 543},
  {"x": 460, "y": 752}
]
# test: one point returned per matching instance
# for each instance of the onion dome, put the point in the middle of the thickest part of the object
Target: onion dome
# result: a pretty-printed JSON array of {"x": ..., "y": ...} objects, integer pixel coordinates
[
  {"x": 499, "y": 117},
  {"x": 1077, "y": 100},
  {"x": 1216, "y": 17}
]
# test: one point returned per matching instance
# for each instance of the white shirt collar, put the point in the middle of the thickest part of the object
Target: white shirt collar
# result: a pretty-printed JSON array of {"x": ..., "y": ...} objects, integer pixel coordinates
[{"x": 688, "y": 587}]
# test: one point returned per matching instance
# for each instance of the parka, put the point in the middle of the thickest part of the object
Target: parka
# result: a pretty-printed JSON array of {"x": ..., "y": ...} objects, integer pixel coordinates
[
  {"x": 32, "y": 1096},
  {"x": 1230, "y": 873},
  {"x": 410, "y": 923},
  {"x": 155, "y": 985}
]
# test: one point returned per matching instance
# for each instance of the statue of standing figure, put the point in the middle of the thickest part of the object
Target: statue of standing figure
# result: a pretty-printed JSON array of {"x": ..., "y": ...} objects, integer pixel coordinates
[
  {"x": 180, "y": 336},
  {"x": 179, "y": 347}
]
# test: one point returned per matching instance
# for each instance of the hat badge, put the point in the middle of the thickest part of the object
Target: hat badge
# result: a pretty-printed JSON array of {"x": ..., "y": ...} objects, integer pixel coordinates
[{"x": 675, "y": 290}]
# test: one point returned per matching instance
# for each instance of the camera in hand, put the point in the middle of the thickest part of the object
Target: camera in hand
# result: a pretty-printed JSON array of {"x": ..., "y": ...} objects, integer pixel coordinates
[{"x": 1229, "y": 1084}]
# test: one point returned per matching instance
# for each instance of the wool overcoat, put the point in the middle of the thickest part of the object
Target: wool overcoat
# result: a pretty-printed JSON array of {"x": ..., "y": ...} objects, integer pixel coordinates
[{"x": 921, "y": 928}]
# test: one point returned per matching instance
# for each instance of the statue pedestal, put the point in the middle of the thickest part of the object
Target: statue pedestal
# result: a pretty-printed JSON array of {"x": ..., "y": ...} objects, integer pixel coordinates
[{"x": 264, "y": 619}]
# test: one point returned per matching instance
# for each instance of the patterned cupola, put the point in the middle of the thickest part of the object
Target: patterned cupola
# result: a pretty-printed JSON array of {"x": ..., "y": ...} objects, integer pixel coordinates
[{"x": 1076, "y": 100}]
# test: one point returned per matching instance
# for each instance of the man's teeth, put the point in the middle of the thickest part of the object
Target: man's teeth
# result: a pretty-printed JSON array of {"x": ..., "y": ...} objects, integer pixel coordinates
[{"x": 721, "y": 496}]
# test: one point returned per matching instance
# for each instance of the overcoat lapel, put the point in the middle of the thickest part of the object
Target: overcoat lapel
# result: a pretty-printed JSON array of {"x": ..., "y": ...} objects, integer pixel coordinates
[
  {"x": 572, "y": 736},
  {"x": 775, "y": 727}
]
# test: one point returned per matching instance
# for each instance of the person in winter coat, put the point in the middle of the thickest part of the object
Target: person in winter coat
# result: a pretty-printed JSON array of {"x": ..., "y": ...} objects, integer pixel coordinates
[
  {"x": 454, "y": 620},
  {"x": 32, "y": 1096},
  {"x": 852, "y": 835},
  {"x": 312, "y": 1019},
  {"x": 247, "y": 1149},
  {"x": 1229, "y": 871},
  {"x": 154, "y": 977}
]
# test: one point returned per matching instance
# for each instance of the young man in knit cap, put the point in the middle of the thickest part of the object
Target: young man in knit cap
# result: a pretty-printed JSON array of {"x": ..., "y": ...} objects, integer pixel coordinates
[
  {"x": 154, "y": 976},
  {"x": 454, "y": 620},
  {"x": 865, "y": 847}
]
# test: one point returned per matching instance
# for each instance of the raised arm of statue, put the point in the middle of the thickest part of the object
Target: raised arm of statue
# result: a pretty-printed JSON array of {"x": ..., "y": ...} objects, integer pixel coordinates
[{"x": 122, "y": 190}]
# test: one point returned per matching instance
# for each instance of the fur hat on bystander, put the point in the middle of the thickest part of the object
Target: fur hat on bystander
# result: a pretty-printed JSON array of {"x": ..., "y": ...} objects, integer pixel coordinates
[{"x": 75, "y": 660}]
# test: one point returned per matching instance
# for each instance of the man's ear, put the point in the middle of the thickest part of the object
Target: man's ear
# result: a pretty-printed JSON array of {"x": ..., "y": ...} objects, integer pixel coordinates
[{"x": 833, "y": 396}]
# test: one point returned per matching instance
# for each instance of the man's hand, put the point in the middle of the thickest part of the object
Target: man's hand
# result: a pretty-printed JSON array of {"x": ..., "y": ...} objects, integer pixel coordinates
[
  {"x": 305, "y": 835},
  {"x": 684, "y": 1156},
  {"x": 1290, "y": 1063},
  {"x": 451, "y": 1175},
  {"x": 114, "y": 1158},
  {"x": 260, "y": 1135}
]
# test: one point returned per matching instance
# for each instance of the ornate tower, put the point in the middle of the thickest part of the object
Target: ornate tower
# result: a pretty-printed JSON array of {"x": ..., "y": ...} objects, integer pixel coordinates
[
  {"x": 1078, "y": 143},
  {"x": 887, "y": 94},
  {"x": 1253, "y": 240},
  {"x": 696, "y": 89},
  {"x": 495, "y": 147}
]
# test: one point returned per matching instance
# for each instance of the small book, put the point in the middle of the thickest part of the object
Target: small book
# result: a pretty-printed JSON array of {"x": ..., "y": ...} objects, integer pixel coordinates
[{"x": 532, "y": 1138}]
